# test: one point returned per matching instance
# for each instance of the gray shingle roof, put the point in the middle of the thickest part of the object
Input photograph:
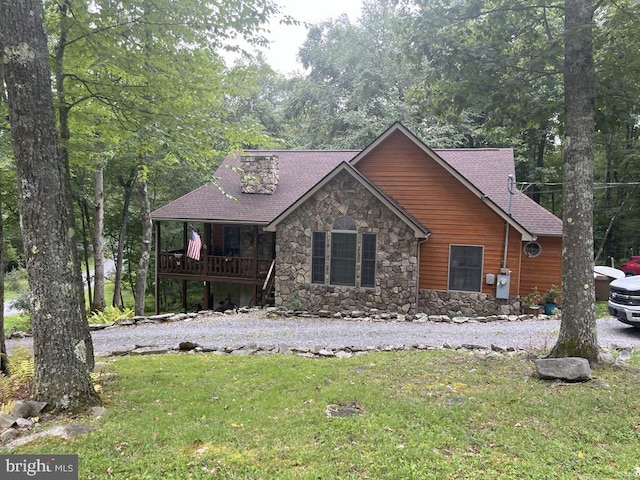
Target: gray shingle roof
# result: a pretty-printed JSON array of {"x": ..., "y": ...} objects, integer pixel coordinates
[
  {"x": 299, "y": 170},
  {"x": 486, "y": 168}
]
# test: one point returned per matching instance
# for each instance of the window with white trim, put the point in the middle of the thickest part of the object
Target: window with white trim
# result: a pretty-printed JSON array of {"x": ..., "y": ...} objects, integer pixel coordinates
[
  {"x": 465, "y": 267},
  {"x": 345, "y": 247}
]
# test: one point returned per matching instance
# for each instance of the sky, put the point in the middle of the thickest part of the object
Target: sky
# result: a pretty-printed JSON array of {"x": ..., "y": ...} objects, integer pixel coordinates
[{"x": 288, "y": 39}]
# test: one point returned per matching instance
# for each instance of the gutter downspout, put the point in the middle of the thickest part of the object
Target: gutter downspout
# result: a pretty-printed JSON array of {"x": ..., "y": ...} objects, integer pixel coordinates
[{"x": 506, "y": 224}]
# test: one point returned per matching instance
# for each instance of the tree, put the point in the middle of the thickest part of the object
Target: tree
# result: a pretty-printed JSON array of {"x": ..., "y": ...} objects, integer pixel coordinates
[
  {"x": 578, "y": 333},
  {"x": 4, "y": 363},
  {"x": 125, "y": 105},
  {"x": 360, "y": 80},
  {"x": 98, "y": 242},
  {"x": 62, "y": 344}
]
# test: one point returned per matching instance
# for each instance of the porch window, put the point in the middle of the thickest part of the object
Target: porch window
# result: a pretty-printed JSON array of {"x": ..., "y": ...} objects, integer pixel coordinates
[
  {"x": 231, "y": 241},
  {"x": 465, "y": 268},
  {"x": 368, "y": 263},
  {"x": 318, "y": 256}
]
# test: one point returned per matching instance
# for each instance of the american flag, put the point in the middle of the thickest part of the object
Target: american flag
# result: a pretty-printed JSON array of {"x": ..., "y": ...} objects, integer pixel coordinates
[{"x": 195, "y": 244}]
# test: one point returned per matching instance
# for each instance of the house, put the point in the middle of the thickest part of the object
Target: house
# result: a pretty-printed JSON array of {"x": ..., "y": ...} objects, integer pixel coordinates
[{"x": 396, "y": 227}]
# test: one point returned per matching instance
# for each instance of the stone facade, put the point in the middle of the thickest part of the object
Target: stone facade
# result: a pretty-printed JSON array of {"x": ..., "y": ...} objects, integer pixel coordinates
[
  {"x": 396, "y": 269},
  {"x": 260, "y": 174},
  {"x": 444, "y": 302}
]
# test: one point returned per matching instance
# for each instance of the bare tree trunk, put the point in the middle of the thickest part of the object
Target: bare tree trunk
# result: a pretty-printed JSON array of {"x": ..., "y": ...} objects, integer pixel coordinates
[
  {"x": 98, "y": 243},
  {"x": 85, "y": 244},
  {"x": 578, "y": 335},
  {"x": 127, "y": 187},
  {"x": 4, "y": 361},
  {"x": 145, "y": 254},
  {"x": 62, "y": 345}
]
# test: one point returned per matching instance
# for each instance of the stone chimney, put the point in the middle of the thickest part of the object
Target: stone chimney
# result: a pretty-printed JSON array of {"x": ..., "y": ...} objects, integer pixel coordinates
[{"x": 261, "y": 173}]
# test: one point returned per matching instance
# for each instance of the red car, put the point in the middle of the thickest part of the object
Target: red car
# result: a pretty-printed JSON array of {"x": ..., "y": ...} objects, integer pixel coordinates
[{"x": 632, "y": 267}]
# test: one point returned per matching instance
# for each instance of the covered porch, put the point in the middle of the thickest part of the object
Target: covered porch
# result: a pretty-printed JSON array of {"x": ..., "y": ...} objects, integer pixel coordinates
[{"x": 229, "y": 254}]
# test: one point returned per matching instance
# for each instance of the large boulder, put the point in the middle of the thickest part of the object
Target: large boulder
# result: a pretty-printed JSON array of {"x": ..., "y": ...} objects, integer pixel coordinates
[{"x": 571, "y": 369}]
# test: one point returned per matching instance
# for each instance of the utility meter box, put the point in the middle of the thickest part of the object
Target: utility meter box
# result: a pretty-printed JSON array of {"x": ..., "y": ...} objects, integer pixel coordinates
[{"x": 503, "y": 281}]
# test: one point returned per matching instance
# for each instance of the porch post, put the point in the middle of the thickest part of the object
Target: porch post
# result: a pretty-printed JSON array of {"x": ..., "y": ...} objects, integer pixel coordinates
[
  {"x": 206, "y": 293},
  {"x": 184, "y": 295},
  {"x": 255, "y": 264},
  {"x": 184, "y": 247},
  {"x": 184, "y": 237},
  {"x": 156, "y": 288}
]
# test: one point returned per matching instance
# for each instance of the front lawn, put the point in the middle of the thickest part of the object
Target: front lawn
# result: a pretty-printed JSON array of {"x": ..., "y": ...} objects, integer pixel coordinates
[{"x": 423, "y": 415}]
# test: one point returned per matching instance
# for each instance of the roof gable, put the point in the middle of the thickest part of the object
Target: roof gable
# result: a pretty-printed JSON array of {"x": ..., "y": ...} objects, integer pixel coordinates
[
  {"x": 419, "y": 230},
  {"x": 484, "y": 172}
]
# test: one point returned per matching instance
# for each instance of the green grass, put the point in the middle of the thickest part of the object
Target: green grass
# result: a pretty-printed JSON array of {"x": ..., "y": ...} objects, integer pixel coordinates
[
  {"x": 602, "y": 310},
  {"x": 426, "y": 415}
]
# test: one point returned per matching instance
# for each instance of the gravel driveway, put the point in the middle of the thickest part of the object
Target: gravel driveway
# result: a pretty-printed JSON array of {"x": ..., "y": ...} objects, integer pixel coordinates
[{"x": 242, "y": 329}]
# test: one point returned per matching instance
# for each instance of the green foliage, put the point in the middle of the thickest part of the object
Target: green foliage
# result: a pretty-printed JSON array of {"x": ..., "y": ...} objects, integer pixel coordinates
[
  {"x": 532, "y": 299},
  {"x": 19, "y": 383},
  {"x": 430, "y": 414},
  {"x": 551, "y": 295},
  {"x": 110, "y": 315},
  {"x": 15, "y": 283},
  {"x": 20, "y": 322},
  {"x": 297, "y": 304}
]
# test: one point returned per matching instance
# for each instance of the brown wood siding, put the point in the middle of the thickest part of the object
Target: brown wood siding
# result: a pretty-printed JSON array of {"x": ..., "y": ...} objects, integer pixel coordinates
[
  {"x": 544, "y": 270},
  {"x": 454, "y": 214}
]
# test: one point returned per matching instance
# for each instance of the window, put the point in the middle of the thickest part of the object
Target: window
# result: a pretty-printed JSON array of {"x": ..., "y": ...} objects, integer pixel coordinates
[
  {"x": 345, "y": 223},
  {"x": 532, "y": 249},
  {"x": 343, "y": 255},
  {"x": 465, "y": 268},
  {"x": 231, "y": 241},
  {"x": 318, "y": 256},
  {"x": 368, "y": 264},
  {"x": 344, "y": 240},
  {"x": 343, "y": 258}
]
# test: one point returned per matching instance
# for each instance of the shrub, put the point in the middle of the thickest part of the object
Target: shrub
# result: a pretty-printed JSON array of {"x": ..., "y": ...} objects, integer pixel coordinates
[
  {"x": 20, "y": 382},
  {"x": 110, "y": 315}
]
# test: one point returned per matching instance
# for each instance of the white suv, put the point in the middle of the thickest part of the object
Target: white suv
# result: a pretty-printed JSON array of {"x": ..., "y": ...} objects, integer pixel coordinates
[{"x": 624, "y": 300}]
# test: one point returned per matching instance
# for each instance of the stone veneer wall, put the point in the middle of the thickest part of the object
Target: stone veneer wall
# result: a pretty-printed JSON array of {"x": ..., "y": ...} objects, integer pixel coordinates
[
  {"x": 396, "y": 253},
  {"x": 261, "y": 174},
  {"x": 444, "y": 302}
]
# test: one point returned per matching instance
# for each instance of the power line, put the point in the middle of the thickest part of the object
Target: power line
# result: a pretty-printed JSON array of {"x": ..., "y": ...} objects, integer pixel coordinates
[{"x": 525, "y": 185}]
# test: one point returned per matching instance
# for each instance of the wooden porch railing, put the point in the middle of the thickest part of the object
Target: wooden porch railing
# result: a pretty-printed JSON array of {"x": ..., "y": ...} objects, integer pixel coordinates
[{"x": 214, "y": 266}]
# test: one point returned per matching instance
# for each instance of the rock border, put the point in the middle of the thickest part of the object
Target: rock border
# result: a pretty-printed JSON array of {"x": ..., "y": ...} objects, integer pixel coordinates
[{"x": 371, "y": 315}]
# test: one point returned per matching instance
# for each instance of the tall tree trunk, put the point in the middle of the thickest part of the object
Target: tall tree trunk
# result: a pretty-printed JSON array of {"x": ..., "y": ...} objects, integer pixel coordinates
[
  {"x": 127, "y": 189},
  {"x": 98, "y": 243},
  {"x": 63, "y": 108},
  {"x": 145, "y": 254},
  {"x": 4, "y": 361},
  {"x": 62, "y": 345},
  {"x": 578, "y": 335},
  {"x": 84, "y": 215}
]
